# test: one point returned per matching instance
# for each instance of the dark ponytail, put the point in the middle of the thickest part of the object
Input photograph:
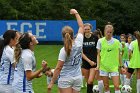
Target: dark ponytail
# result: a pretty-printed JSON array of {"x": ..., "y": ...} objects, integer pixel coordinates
[
  {"x": 137, "y": 35},
  {"x": 7, "y": 36},
  {"x": 1, "y": 47}
]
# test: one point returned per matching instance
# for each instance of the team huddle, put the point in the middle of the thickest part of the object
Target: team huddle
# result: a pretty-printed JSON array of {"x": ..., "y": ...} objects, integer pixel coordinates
[
  {"x": 89, "y": 56},
  {"x": 18, "y": 63}
]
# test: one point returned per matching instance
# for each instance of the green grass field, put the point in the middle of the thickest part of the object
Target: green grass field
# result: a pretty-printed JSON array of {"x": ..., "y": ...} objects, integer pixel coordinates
[{"x": 50, "y": 54}]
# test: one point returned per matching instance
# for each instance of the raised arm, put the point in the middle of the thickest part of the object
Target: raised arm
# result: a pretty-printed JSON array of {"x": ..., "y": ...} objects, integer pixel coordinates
[{"x": 79, "y": 20}]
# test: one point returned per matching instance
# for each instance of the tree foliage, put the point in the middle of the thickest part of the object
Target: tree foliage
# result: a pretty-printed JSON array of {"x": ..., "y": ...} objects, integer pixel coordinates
[{"x": 123, "y": 14}]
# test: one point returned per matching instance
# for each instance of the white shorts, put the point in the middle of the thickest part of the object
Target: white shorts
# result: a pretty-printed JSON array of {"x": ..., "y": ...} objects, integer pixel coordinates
[
  {"x": 74, "y": 82},
  {"x": 103, "y": 73},
  {"x": 6, "y": 89}
]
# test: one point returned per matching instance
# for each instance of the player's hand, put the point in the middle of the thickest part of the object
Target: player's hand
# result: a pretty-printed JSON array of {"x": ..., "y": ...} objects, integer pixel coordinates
[
  {"x": 97, "y": 68},
  {"x": 92, "y": 63},
  {"x": 39, "y": 75},
  {"x": 50, "y": 87},
  {"x": 73, "y": 11}
]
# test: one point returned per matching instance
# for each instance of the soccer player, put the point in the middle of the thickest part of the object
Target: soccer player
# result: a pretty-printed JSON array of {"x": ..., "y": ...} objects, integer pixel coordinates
[
  {"x": 90, "y": 57},
  {"x": 10, "y": 39},
  {"x": 134, "y": 54},
  {"x": 124, "y": 53},
  {"x": 109, "y": 58},
  {"x": 70, "y": 58},
  {"x": 49, "y": 73},
  {"x": 25, "y": 64},
  {"x": 129, "y": 76}
]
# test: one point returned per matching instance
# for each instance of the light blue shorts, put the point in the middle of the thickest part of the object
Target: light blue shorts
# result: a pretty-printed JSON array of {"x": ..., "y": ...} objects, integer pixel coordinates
[
  {"x": 103, "y": 73},
  {"x": 74, "y": 82}
]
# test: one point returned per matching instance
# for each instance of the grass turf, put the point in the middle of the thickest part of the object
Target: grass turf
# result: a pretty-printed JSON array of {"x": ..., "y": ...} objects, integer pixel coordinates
[{"x": 50, "y": 54}]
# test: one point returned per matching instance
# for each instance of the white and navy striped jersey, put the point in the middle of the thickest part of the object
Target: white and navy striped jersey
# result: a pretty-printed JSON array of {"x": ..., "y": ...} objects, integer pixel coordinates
[
  {"x": 27, "y": 62},
  {"x": 6, "y": 69},
  {"x": 72, "y": 63}
]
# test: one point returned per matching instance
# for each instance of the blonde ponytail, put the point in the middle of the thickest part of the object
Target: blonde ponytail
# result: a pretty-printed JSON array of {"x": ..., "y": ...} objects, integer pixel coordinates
[
  {"x": 67, "y": 33},
  {"x": 17, "y": 53},
  {"x": 67, "y": 43}
]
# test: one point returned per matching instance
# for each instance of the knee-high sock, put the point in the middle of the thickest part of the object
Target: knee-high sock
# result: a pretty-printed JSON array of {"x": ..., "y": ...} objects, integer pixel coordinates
[
  {"x": 100, "y": 86},
  {"x": 89, "y": 88},
  {"x": 138, "y": 86}
]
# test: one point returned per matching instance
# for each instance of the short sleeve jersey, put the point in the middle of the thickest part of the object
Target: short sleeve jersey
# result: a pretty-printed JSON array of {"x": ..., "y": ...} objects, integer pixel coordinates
[
  {"x": 27, "y": 62},
  {"x": 72, "y": 63},
  {"x": 6, "y": 69},
  {"x": 89, "y": 47}
]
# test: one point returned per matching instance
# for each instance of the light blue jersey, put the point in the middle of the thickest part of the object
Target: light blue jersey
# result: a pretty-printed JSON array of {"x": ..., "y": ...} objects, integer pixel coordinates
[
  {"x": 26, "y": 62},
  {"x": 72, "y": 63},
  {"x": 6, "y": 69}
]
